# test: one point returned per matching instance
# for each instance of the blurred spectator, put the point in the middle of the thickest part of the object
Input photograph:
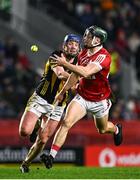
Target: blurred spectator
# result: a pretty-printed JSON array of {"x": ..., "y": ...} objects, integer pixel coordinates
[
  {"x": 6, "y": 110},
  {"x": 23, "y": 60},
  {"x": 109, "y": 25},
  {"x": 86, "y": 15},
  {"x": 11, "y": 48},
  {"x": 1, "y": 46},
  {"x": 115, "y": 71},
  {"x": 137, "y": 107},
  {"x": 130, "y": 112},
  {"x": 107, "y": 4},
  {"x": 118, "y": 110},
  {"x": 134, "y": 42},
  {"x": 137, "y": 63},
  {"x": 121, "y": 44}
]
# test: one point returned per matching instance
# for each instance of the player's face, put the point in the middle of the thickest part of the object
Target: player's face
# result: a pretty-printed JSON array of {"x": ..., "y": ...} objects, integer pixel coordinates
[
  {"x": 72, "y": 48},
  {"x": 89, "y": 41}
]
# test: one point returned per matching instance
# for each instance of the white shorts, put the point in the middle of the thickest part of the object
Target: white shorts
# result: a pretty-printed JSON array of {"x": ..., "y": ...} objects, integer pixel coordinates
[
  {"x": 39, "y": 106},
  {"x": 99, "y": 108}
]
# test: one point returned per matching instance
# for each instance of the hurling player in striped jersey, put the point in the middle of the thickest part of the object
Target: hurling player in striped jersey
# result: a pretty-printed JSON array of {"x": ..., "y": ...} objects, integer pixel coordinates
[
  {"x": 93, "y": 91},
  {"x": 40, "y": 104}
]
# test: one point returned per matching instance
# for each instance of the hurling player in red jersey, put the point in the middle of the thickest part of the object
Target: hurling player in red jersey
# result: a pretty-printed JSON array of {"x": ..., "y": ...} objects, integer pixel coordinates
[{"x": 93, "y": 91}]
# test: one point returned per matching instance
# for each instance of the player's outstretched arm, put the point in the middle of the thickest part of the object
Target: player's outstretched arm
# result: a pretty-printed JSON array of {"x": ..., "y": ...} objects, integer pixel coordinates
[{"x": 84, "y": 71}]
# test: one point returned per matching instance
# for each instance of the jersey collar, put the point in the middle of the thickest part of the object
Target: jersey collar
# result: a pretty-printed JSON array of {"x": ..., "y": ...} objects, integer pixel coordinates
[{"x": 89, "y": 53}]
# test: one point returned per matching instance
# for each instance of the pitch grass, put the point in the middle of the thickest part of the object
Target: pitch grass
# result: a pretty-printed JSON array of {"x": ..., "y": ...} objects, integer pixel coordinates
[{"x": 69, "y": 172}]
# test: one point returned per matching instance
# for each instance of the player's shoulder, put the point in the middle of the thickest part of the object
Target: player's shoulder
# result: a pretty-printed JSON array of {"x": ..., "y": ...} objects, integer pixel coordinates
[
  {"x": 104, "y": 51},
  {"x": 104, "y": 54}
]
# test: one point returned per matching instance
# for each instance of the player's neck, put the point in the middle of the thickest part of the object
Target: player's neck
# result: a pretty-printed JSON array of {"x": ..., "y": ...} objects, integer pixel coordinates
[{"x": 94, "y": 50}]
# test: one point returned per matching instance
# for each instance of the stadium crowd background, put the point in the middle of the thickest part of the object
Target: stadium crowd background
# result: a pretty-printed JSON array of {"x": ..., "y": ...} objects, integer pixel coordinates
[{"x": 121, "y": 19}]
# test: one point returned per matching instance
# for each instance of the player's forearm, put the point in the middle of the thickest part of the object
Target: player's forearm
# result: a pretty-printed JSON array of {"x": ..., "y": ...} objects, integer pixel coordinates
[
  {"x": 71, "y": 81},
  {"x": 60, "y": 72},
  {"x": 80, "y": 70},
  {"x": 63, "y": 75}
]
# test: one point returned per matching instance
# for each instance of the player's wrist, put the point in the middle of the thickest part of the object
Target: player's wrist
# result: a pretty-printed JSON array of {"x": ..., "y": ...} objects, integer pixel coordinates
[{"x": 65, "y": 64}]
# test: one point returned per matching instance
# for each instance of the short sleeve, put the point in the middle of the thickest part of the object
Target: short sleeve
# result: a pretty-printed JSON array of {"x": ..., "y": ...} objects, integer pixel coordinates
[{"x": 103, "y": 61}]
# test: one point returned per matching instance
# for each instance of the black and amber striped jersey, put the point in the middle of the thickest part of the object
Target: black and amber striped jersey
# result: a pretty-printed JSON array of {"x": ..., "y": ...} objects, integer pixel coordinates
[{"x": 50, "y": 84}]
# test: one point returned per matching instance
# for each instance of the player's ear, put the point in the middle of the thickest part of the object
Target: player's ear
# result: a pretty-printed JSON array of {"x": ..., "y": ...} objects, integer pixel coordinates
[
  {"x": 62, "y": 55},
  {"x": 64, "y": 48},
  {"x": 80, "y": 47}
]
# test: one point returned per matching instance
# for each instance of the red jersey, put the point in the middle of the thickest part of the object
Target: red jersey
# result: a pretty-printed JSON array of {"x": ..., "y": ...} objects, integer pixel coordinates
[{"x": 95, "y": 88}]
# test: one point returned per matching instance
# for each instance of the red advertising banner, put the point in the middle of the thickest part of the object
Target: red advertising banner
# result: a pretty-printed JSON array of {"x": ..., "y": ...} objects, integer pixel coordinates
[
  {"x": 110, "y": 156},
  {"x": 81, "y": 134}
]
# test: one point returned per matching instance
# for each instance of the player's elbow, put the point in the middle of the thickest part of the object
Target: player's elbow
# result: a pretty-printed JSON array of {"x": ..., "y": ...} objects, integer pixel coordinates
[{"x": 61, "y": 77}]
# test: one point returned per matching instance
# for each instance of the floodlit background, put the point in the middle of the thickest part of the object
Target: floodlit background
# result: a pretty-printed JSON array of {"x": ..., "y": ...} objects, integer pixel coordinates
[{"x": 45, "y": 23}]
